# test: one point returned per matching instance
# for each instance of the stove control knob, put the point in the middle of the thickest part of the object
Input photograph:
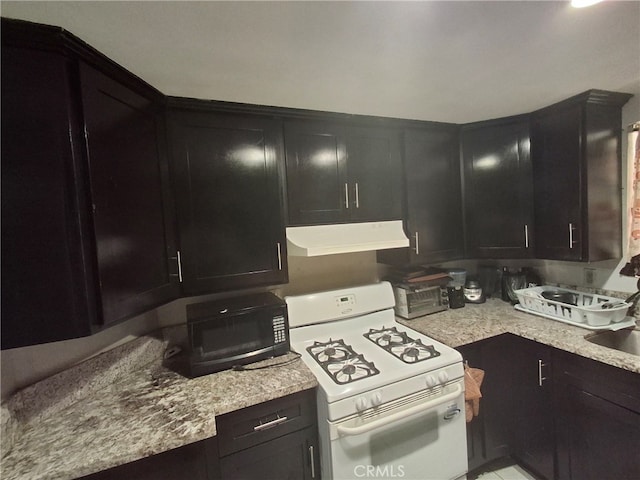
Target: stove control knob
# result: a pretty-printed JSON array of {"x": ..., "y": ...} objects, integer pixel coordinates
[
  {"x": 443, "y": 377},
  {"x": 361, "y": 404},
  {"x": 376, "y": 399},
  {"x": 431, "y": 381}
]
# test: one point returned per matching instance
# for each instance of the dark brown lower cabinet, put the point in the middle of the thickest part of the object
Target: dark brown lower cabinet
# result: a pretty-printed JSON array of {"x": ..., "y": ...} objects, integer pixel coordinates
[
  {"x": 560, "y": 415},
  {"x": 597, "y": 419},
  {"x": 533, "y": 411},
  {"x": 290, "y": 457},
  {"x": 516, "y": 408},
  {"x": 191, "y": 462},
  {"x": 274, "y": 440},
  {"x": 489, "y": 434}
]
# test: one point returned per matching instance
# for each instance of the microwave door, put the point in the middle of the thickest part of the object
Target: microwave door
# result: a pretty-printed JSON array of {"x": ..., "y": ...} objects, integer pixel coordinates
[{"x": 233, "y": 337}]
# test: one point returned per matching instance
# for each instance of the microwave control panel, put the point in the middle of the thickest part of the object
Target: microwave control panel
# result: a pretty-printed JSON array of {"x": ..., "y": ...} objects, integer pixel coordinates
[{"x": 279, "y": 329}]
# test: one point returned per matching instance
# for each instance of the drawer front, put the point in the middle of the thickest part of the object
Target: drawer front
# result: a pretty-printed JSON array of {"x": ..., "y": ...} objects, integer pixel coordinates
[{"x": 265, "y": 421}]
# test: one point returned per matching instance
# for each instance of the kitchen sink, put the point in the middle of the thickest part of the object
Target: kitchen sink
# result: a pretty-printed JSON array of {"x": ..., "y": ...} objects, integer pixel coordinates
[{"x": 623, "y": 340}]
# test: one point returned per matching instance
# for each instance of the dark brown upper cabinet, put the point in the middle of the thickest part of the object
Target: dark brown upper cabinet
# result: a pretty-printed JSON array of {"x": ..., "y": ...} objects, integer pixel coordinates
[
  {"x": 86, "y": 223},
  {"x": 229, "y": 182},
  {"x": 498, "y": 189},
  {"x": 133, "y": 219},
  {"x": 577, "y": 173},
  {"x": 433, "y": 205},
  {"x": 338, "y": 173}
]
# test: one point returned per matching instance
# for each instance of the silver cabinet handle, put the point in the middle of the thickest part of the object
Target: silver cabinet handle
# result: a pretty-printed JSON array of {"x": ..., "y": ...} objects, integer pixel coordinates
[
  {"x": 279, "y": 257},
  {"x": 271, "y": 424},
  {"x": 571, "y": 229},
  {"x": 526, "y": 236},
  {"x": 313, "y": 463},
  {"x": 179, "y": 262},
  {"x": 357, "y": 196},
  {"x": 541, "y": 379},
  {"x": 346, "y": 195},
  {"x": 417, "y": 247}
]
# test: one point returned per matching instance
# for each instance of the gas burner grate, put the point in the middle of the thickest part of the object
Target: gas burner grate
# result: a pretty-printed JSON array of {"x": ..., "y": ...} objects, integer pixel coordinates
[
  {"x": 401, "y": 345},
  {"x": 341, "y": 362}
]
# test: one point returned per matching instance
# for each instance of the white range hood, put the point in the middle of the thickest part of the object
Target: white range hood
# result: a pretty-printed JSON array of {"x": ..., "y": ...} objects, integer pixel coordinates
[{"x": 319, "y": 240}]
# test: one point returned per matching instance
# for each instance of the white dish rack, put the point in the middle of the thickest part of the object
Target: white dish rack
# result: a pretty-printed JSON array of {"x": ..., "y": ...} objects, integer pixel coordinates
[{"x": 591, "y": 311}]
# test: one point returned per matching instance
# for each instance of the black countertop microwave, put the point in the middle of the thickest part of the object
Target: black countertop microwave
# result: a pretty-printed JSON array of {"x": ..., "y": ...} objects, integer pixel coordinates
[{"x": 236, "y": 331}]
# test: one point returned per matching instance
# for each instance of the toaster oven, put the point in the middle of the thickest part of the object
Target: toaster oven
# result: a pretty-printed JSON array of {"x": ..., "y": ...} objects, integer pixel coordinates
[{"x": 415, "y": 300}]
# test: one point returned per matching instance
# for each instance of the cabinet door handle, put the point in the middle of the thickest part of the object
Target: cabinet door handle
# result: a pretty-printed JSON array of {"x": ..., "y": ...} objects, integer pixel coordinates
[
  {"x": 271, "y": 424},
  {"x": 279, "y": 257},
  {"x": 357, "y": 196},
  {"x": 313, "y": 463},
  {"x": 571, "y": 229},
  {"x": 346, "y": 195},
  {"x": 417, "y": 247},
  {"x": 179, "y": 262},
  {"x": 541, "y": 379},
  {"x": 526, "y": 236}
]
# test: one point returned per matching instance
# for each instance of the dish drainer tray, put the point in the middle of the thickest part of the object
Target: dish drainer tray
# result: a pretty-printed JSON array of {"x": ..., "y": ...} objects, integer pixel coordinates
[
  {"x": 590, "y": 311},
  {"x": 626, "y": 323}
]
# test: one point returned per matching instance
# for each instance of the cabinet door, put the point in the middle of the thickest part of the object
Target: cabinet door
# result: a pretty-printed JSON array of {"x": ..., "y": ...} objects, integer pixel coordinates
[
  {"x": 316, "y": 173},
  {"x": 374, "y": 170},
  {"x": 434, "y": 205},
  {"x": 534, "y": 438},
  {"x": 433, "y": 201},
  {"x": 46, "y": 247},
  {"x": 228, "y": 172},
  {"x": 577, "y": 172},
  {"x": 132, "y": 210},
  {"x": 597, "y": 437},
  {"x": 190, "y": 462},
  {"x": 284, "y": 429},
  {"x": 499, "y": 413},
  {"x": 490, "y": 433},
  {"x": 597, "y": 421},
  {"x": 475, "y": 428},
  {"x": 556, "y": 150},
  {"x": 498, "y": 190},
  {"x": 290, "y": 457}
]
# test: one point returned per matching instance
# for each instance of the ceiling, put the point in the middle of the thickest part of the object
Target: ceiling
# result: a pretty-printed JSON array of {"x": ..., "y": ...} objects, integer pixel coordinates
[{"x": 445, "y": 61}]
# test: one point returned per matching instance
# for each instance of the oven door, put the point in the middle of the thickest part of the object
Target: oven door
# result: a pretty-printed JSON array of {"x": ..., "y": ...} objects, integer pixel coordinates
[{"x": 418, "y": 437}]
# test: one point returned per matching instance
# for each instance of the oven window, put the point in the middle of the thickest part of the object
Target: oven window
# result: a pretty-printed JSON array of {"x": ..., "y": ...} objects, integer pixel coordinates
[{"x": 390, "y": 446}]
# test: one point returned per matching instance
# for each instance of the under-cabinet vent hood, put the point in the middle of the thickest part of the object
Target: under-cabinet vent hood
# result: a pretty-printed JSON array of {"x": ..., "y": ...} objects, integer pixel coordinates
[{"x": 345, "y": 238}]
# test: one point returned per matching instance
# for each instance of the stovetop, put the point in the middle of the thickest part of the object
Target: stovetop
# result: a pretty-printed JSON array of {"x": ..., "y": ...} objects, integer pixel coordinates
[
  {"x": 401, "y": 345},
  {"x": 341, "y": 362},
  {"x": 347, "y": 360}
]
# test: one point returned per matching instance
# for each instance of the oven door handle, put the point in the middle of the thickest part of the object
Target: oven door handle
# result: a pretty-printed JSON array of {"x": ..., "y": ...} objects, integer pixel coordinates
[{"x": 423, "y": 407}]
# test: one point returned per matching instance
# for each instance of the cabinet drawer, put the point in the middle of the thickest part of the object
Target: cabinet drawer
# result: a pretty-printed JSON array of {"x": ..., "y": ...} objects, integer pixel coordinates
[{"x": 265, "y": 421}]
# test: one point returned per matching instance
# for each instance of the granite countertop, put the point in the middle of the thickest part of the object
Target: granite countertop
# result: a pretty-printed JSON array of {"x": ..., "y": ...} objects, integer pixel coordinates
[
  {"x": 142, "y": 411},
  {"x": 476, "y": 322},
  {"x": 128, "y": 404}
]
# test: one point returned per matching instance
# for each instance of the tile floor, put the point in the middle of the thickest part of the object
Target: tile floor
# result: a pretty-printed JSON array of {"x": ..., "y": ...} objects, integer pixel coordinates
[{"x": 503, "y": 471}]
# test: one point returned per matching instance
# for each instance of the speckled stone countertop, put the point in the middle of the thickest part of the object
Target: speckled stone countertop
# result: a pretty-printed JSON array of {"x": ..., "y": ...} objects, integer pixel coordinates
[
  {"x": 132, "y": 411},
  {"x": 476, "y": 322},
  {"x": 124, "y": 405}
]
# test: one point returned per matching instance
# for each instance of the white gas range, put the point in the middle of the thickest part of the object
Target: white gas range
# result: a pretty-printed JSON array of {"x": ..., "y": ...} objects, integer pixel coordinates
[{"x": 390, "y": 399}]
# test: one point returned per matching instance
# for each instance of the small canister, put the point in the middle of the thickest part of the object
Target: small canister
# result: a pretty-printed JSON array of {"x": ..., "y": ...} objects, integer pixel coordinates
[
  {"x": 473, "y": 292},
  {"x": 456, "y": 296}
]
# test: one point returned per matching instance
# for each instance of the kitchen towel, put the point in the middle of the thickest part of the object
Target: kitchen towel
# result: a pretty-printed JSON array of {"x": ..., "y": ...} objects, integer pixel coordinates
[{"x": 472, "y": 380}]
